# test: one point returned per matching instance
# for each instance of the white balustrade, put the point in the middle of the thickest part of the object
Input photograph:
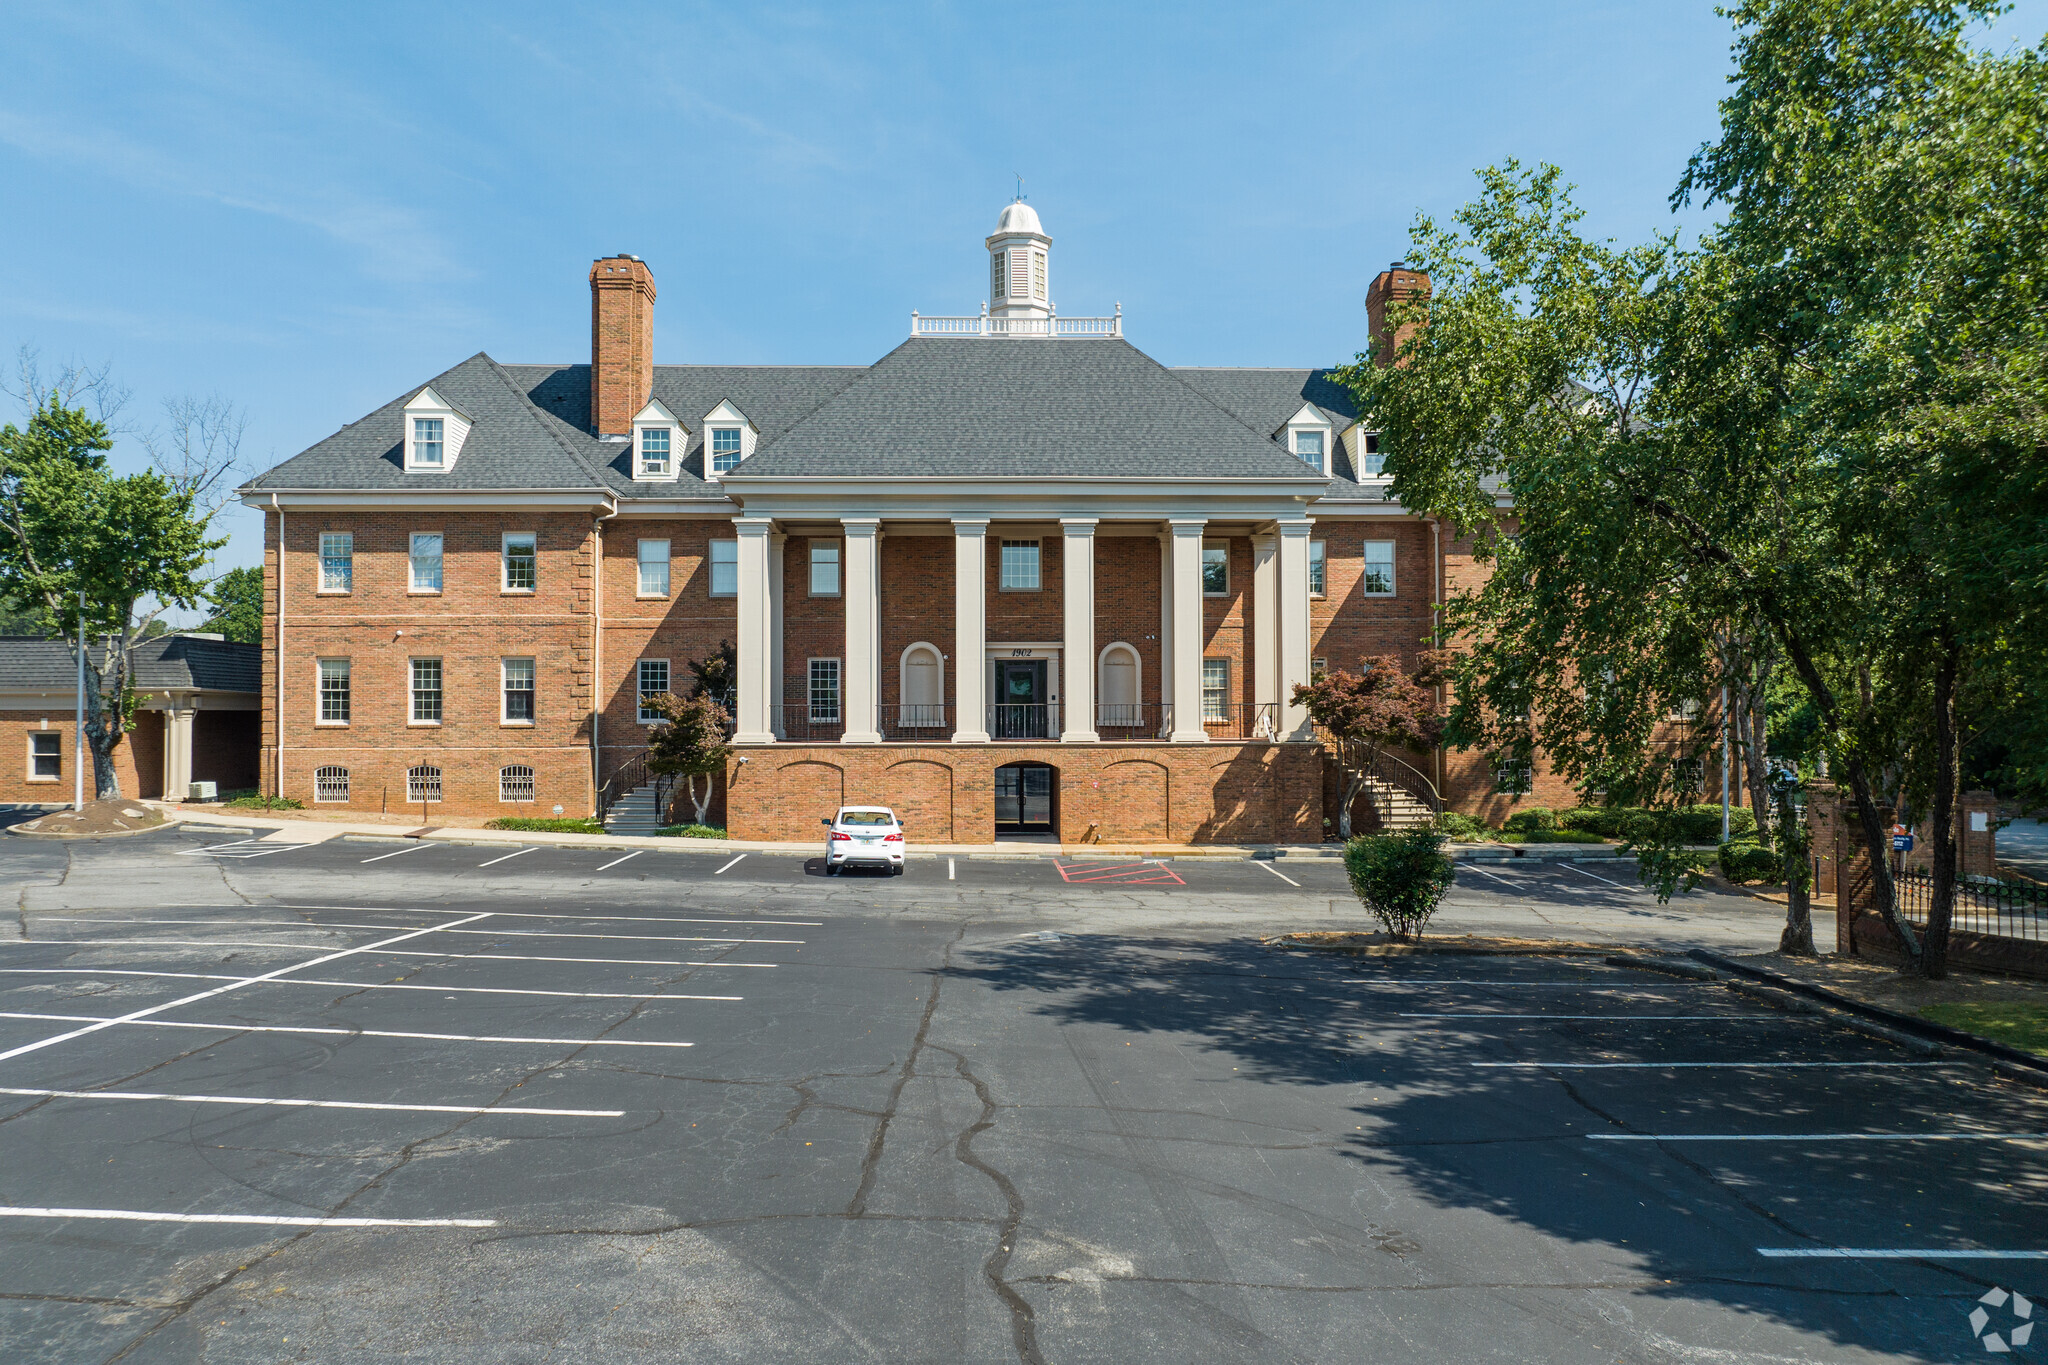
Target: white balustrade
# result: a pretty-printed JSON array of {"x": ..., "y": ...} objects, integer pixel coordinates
[{"x": 986, "y": 326}]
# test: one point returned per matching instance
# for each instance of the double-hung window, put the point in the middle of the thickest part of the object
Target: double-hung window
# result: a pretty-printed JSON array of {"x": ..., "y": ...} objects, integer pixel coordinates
[
  {"x": 426, "y": 561},
  {"x": 1318, "y": 571},
  {"x": 521, "y": 561},
  {"x": 824, "y": 692},
  {"x": 652, "y": 682},
  {"x": 518, "y": 687},
  {"x": 1375, "y": 459},
  {"x": 1215, "y": 689},
  {"x": 725, "y": 448},
  {"x": 337, "y": 561},
  {"x": 1215, "y": 571},
  {"x": 1309, "y": 446},
  {"x": 1018, "y": 566},
  {"x": 653, "y": 568},
  {"x": 426, "y": 691},
  {"x": 45, "y": 755},
  {"x": 427, "y": 441},
  {"x": 725, "y": 568},
  {"x": 824, "y": 568},
  {"x": 334, "y": 691},
  {"x": 1378, "y": 580},
  {"x": 654, "y": 452}
]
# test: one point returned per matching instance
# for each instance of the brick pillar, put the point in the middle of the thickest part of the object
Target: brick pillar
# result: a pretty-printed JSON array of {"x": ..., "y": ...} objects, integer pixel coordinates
[
  {"x": 621, "y": 342},
  {"x": 1978, "y": 842}
]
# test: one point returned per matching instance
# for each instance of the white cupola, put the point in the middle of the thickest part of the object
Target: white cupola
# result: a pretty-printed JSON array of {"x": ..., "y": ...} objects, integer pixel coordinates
[{"x": 1017, "y": 279}]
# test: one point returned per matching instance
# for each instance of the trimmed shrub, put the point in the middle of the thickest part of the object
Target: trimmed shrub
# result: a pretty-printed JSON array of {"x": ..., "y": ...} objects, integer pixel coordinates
[
  {"x": 1702, "y": 824},
  {"x": 253, "y": 801},
  {"x": 1604, "y": 821},
  {"x": 541, "y": 824},
  {"x": 1531, "y": 818},
  {"x": 1400, "y": 878},
  {"x": 1550, "y": 836},
  {"x": 690, "y": 832},
  {"x": 1748, "y": 861},
  {"x": 1455, "y": 824}
]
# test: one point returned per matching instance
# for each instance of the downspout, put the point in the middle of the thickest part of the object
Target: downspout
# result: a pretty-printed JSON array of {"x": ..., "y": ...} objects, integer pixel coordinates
[
  {"x": 597, "y": 654},
  {"x": 277, "y": 765}
]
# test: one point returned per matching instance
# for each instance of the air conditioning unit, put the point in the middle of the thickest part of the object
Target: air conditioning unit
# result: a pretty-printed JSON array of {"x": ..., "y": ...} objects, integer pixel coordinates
[{"x": 201, "y": 791}]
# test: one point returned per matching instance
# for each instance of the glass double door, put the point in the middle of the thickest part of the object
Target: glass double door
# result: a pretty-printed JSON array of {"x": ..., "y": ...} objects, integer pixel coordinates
[
  {"x": 1021, "y": 704},
  {"x": 1023, "y": 797}
]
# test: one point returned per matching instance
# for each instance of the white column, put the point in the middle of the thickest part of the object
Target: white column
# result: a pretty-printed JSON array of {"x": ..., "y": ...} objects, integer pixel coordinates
[
  {"x": 1266, "y": 625},
  {"x": 970, "y": 631},
  {"x": 177, "y": 750},
  {"x": 1077, "y": 639},
  {"x": 776, "y": 541},
  {"x": 860, "y": 678},
  {"x": 1293, "y": 617},
  {"x": 1186, "y": 648},
  {"x": 755, "y": 723},
  {"x": 1165, "y": 624}
]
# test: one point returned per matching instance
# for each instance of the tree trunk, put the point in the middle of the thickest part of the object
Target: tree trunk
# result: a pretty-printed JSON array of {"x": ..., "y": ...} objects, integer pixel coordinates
[
  {"x": 1797, "y": 938},
  {"x": 1351, "y": 791},
  {"x": 702, "y": 803},
  {"x": 1756, "y": 760},
  {"x": 1941, "y": 820},
  {"x": 100, "y": 735},
  {"x": 1877, "y": 840}
]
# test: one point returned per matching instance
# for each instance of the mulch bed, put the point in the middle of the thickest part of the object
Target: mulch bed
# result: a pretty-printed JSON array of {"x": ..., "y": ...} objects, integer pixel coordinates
[
  {"x": 1385, "y": 945},
  {"x": 113, "y": 816}
]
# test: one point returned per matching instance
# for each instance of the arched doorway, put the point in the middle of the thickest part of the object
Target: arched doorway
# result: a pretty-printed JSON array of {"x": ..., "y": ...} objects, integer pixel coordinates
[{"x": 1027, "y": 798}]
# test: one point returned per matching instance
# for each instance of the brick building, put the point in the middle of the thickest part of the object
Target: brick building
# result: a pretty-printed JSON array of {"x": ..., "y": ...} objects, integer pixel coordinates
[{"x": 1013, "y": 574}]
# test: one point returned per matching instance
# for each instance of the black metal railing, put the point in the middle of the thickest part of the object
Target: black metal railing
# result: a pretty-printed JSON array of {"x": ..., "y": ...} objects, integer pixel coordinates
[
  {"x": 913, "y": 722},
  {"x": 1020, "y": 720},
  {"x": 1996, "y": 909},
  {"x": 1133, "y": 720},
  {"x": 1398, "y": 772},
  {"x": 799, "y": 723},
  {"x": 1239, "y": 720},
  {"x": 628, "y": 776}
]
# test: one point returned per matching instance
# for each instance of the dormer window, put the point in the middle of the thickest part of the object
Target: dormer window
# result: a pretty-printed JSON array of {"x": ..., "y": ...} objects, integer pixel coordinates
[
  {"x": 434, "y": 432},
  {"x": 1309, "y": 445},
  {"x": 725, "y": 448},
  {"x": 654, "y": 451},
  {"x": 996, "y": 273},
  {"x": 1373, "y": 464},
  {"x": 1307, "y": 437}
]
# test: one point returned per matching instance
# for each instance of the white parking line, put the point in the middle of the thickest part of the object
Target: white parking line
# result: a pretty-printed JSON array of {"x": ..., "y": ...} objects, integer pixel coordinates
[
  {"x": 311, "y": 1104},
  {"x": 342, "y": 1032},
  {"x": 214, "y": 848},
  {"x": 486, "y": 933},
  {"x": 1505, "y": 880},
  {"x": 365, "y": 985},
  {"x": 949, "y": 869},
  {"x": 734, "y": 863},
  {"x": 256, "y": 1219},
  {"x": 1899, "y": 1254},
  {"x": 99, "y": 1024},
  {"x": 612, "y": 961},
  {"x": 1672, "y": 1066},
  {"x": 447, "y": 953},
  {"x": 1276, "y": 872},
  {"x": 160, "y": 942},
  {"x": 508, "y": 857},
  {"x": 382, "y": 856},
  {"x": 241, "y": 848},
  {"x": 628, "y": 858},
  {"x": 536, "y": 914},
  {"x": 1574, "y": 867},
  {"x": 1818, "y": 1137}
]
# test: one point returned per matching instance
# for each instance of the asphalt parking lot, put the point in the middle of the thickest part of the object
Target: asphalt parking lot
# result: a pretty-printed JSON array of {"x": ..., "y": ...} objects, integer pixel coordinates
[{"x": 368, "y": 1101}]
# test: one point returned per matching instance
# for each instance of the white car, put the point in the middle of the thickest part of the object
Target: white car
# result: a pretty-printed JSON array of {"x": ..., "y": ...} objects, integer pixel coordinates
[{"x": 869, "y": 836}]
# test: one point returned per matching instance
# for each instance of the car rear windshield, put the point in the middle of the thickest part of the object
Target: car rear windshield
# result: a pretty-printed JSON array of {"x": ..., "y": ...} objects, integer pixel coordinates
[{"x": 866, "y": 817}]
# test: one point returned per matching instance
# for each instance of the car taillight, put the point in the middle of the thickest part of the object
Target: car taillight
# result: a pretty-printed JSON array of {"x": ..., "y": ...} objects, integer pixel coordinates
[
  {"x": 837, "y": 835},
  {"x": 892, "y": 838}
]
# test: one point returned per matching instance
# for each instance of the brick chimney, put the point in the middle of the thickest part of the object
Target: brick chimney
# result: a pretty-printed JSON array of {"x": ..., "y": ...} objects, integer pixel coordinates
[
  {"x": 1397, "y": 281},
  {"x": 621, "y": 342}
]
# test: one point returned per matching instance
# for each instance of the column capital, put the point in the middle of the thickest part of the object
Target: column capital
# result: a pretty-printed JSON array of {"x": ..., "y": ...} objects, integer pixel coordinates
[
  {"x": 1294, "y": 526},
  {"x": 753, "y": 526},
  {"x": 861, "y": 526},
  {"x": 970, "y": 526},
  {"x": 1079, "y": 526},
  {"x": 1187, "y": 526}
]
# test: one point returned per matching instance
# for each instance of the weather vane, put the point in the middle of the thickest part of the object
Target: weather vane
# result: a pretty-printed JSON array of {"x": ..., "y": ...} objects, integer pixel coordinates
[{"x": 1020, "y": 186}]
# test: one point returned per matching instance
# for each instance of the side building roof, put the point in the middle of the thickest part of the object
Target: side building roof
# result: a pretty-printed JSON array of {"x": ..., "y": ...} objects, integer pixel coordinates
[{"x": 163, "y": 663}]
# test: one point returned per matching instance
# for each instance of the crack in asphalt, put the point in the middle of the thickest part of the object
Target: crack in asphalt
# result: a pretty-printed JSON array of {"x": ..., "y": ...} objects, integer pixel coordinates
[
  {"x": 1023, "y": 1321},
  {"x": 870, "y": 1166}
]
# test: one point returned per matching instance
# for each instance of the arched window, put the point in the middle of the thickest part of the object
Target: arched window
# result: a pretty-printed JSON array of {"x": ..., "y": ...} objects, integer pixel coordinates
[
  {"x": 423, "y": 783},
  {"x": 515, "y": 783},
  {"x": 330, "y": 784},
  {"x": 1119, "y": 698},
  {"x": 923, "y": 679}
]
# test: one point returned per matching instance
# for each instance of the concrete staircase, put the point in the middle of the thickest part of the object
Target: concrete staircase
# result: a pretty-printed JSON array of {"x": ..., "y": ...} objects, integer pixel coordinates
[
  {"x": 635, "y": 813},
  {"x": 1397, "y": 808}
]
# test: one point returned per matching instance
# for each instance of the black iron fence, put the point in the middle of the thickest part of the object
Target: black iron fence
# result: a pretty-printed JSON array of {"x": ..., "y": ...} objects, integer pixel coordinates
[
  {"x": 799, "y": 723},
  {"x": 1997, "y": 909},
  {"x": 930, "y": 722},
  {"x": 1239, "y": 720},
  {"x": 1018, "y": 720},
  {"x": 1134, "y": 720}
]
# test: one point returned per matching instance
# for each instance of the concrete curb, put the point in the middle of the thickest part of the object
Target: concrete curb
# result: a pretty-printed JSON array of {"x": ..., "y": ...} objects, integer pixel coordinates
[
  {"x": 21, "y": 833},
  {"x": 1907, "y": 1030}
]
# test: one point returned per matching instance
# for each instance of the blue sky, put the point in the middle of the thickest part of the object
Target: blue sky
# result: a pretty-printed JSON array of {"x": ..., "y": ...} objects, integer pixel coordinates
[{"x": 310, "y": 209}]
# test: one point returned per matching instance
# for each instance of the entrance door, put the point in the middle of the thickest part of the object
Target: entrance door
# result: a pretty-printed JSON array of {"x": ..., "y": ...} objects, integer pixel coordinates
[
  {"x": 1020, "y": 693},
  {"x": 1024, "y": 798}
]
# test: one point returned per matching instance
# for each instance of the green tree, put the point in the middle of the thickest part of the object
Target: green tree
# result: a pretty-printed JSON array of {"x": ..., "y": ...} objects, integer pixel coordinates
[
  {"x": 1401, "y": 878},
  {"x": 690, "y": 741},
  {"x": 1365, "y": 717},
  {"x": 237, "y": 598},
  {"x": 96, "y": 557}
]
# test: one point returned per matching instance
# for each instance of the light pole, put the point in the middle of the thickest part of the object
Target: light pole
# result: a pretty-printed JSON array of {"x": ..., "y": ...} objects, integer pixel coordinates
[{"x": 78, "y": 738}]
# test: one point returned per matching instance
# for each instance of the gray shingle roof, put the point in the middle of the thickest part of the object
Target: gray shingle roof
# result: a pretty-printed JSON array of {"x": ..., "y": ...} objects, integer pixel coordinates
[
  {"x": 31, "y": 664},
  {"x": 1264, "y": 399},
  {"x": 967, "y": 407}
]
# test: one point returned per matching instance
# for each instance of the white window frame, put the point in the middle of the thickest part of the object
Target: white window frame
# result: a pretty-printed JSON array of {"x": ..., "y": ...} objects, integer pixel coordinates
[
  {"x": 1222, "y": 712},
  {"x": 35, "y": 735},
  {"x": 1318, "y": 568},
  {"x": 413, "y": 560},
  {"x": 1316, "y": 459},
  {"x": 505, "y": 542},
  {"x": 337, "y": 547},
  {"x": 1306, "y": 419},
  {"x": 726, "y": 417},
  {"x": 655, "y": 417},
  {"x": 1368, "y": 453},
  {"x": 641, "y": 691},
  {"x": 712, "y": 452},
  {"x": 903, "y": 702},
  {"x": 664, "y": 559},
  {"x": 531, "y": 781},
  {"x": 1221, "y": 547},
  {"x": 813, "y": 675},
  {"x": 413, "y": 691},
  {"x": 1128, "y": 713},
  {"x": 1365, "y": 560},
  {"x": 1514, "y": 779},
  {"x": 428, "y": 406},
  {"x": 1037, "y": 549},
  {"x": 731, "y": 564},
  {"x": 837, "y": 561},
  {"x": 323, "y": 784},
  {"x": 647, "y": 436},
  {"x": 421, "y": 789},
  {"x": 429, "y": 434},
  {"x": 505, "y": 668},
  {"x": 320, "y": 676}
]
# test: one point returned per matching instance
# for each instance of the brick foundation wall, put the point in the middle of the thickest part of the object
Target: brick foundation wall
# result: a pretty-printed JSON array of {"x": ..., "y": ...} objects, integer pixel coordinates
[
  {"x": 15, "y": 786},
  {"x": 1187, "y": 793}
]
